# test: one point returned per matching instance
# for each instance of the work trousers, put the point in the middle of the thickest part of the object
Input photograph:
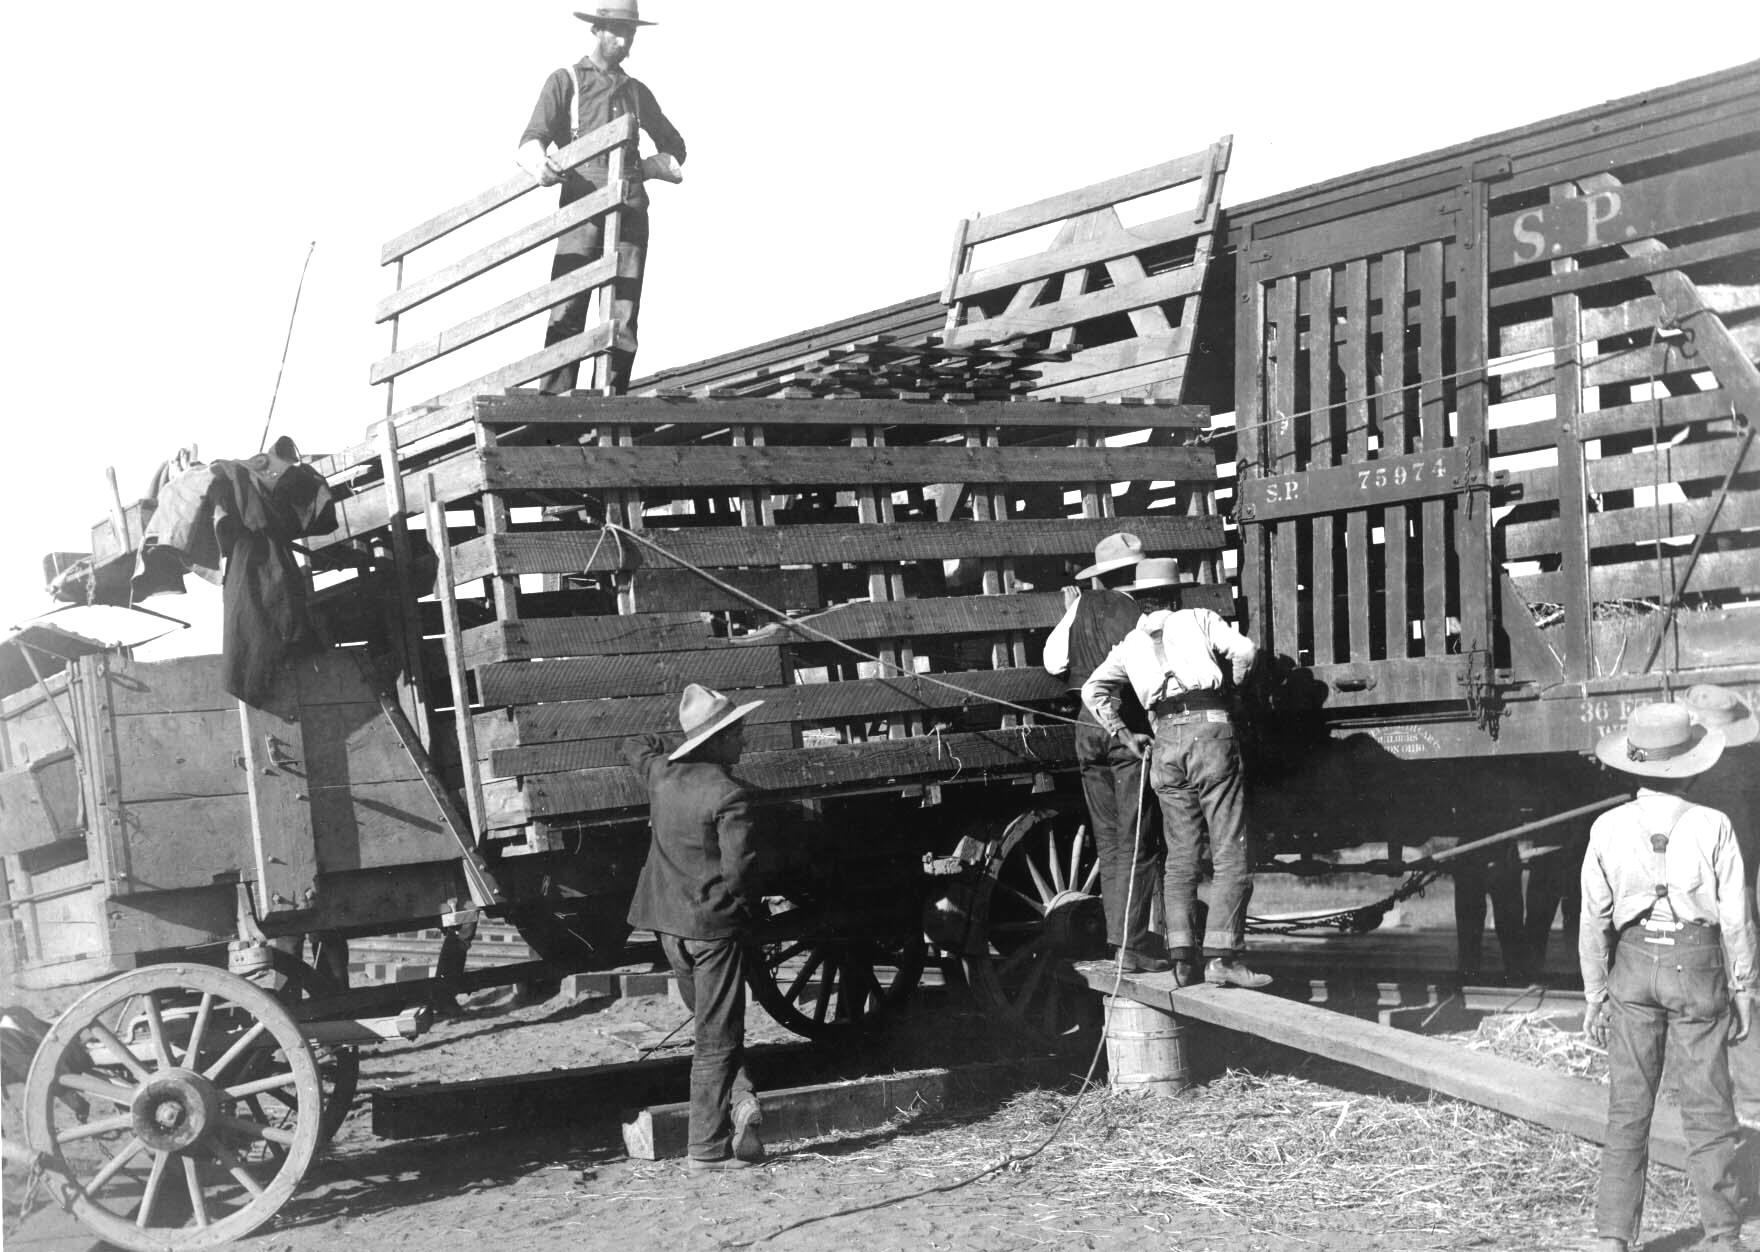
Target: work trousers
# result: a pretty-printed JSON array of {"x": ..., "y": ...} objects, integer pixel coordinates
[
  {"x": 1497, "y": 873},
  {"x": 581, "y": 247},
  {"x": 1668, "y": 1000},
  {"x": 1130, "y": 866},
  {"x": 711, "y": 980},
  {"x": 1196, "y": 773}
]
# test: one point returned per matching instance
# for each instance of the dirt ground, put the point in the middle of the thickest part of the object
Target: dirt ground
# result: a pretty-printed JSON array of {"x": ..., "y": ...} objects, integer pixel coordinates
[{"x": 897, "y": 1187}]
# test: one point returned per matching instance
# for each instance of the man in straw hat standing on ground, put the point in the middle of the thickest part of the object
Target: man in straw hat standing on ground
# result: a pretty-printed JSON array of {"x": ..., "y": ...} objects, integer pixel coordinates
[
  {"x": 1170, "y": 661},
  {"x": 696, "y": 893},
  {"x": 576, "y": 101},
  {"x": 1112, "y": 772},
  {"x": 1663, "y": 888}
]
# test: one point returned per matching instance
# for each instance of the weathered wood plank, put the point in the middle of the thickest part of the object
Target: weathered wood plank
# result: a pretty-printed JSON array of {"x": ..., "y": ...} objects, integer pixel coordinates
[
  {"x": 1281, "y": 459},
  {"x": 1679, "y": 519},
  {"x": 1107, "y": 302},
  {"x": 1625, "y": 365},
  {"x": 530, "y": 639},
  {"x": 599, "y": 677},
  {"x": 1394, "y": 427},
  {"x": 1353, "y": 360},
  {"x": 681, "y": 590},
  {"x": 1743, "y": 241},
  {"x": 811, "y": 702},
  {"x": 1677, "y": 411},
  {"x": 662, "y": 1132},
  {"x": 617, "y": 130},
  {"x": 1574, "y": 1105},
  {"x": 502, "y": 250},
  {"x": 1119, "y": 242},
  {"x": 578, "y": 754},
  {"x": 1636, "y": 580},
  {"x": 571, "y": 552},
  {"x": 542, "y": 469},
  {"x": 599, "y": 338},
  {"x": 532, "y": 410},
  {"x": 1320, "y": 454},
  {"x": 1684, "y": 463},
  {"x": 1086, "y": 199},
  {"x": 1432, "y": 435},
  {"x": 1008, "y": 751},
  {"x": 502, "y": 316}
]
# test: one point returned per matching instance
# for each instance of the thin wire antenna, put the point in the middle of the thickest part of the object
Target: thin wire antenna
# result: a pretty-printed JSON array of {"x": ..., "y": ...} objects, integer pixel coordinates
[{"x": 287, "y": 343}]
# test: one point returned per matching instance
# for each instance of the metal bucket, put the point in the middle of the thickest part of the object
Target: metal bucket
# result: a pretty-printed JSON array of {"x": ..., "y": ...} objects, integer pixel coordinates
[{"x": 1145, "y": 1049}]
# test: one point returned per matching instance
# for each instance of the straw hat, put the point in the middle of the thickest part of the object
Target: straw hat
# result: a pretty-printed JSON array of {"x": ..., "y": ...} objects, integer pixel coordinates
[
  {"x": 1113, "y": 552},
  {"x": 614, "y": 12},
  {"x": 1158, "y": 571},
  {"x": 1661, "y": 741},
  {"x": 703, "y": 714},
  {"x": 1719, "y": 708}
]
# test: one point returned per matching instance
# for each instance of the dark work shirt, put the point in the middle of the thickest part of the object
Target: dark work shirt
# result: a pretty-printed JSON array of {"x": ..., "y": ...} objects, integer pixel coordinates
[
  {"x": 697, "y": 882},
  {"x": 607, "y": 94}
]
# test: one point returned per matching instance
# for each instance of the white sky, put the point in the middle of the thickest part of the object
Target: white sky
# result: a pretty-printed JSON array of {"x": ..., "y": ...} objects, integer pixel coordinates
[{"x": 171, "y": 163}]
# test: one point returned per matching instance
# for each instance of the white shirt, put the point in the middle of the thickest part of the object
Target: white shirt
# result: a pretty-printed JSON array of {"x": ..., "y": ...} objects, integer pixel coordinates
[
  {"x": 1057, "y": 642},
  {"x": 1193, "y": 638},
  {"x": 1705, "y": 881}
]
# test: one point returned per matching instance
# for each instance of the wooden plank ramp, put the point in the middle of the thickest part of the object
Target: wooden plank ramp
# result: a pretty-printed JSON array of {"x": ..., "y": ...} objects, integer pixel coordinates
[{"x": 1574, "y": 1105}]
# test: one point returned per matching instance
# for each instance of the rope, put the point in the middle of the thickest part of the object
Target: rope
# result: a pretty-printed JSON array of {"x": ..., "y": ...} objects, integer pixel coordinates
[
  {"x": 799, "y": 626},
  {"x": 1282, "y": 417},
  {"x": 1051, "y": 1136}
]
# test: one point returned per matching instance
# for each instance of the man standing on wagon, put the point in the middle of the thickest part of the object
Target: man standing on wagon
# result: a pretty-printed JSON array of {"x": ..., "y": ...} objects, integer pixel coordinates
[
  {"x": 576, "y": 101},
  {"x": 1667, "y": 954},
  {"x": 1112, "y": 773},
  {"x": 697, "y": 894},
  {"x": 1170, "y": 661}
]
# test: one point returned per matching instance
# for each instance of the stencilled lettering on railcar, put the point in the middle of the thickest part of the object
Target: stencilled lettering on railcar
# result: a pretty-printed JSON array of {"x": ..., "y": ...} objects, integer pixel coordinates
[
  {"x": 1609, "y": 713},
  {"x": 1406, "y": 742}
]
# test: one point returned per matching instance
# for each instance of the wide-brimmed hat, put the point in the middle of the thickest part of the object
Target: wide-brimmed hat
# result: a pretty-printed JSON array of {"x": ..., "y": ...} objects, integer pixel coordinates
[
  {"x": 614, "y": 12},
  {"x": 703, "y": 714},
  {"x": 1113, "y": 552},
  {"x": 1157, "y": 571},
  {"x": 1661, "y": 741},
  {"x": 1722, "y": 710}
]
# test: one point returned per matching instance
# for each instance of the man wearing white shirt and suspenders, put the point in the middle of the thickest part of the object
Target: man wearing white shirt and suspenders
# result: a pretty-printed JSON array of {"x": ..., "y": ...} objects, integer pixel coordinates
[{"x": 1170, "y": 661}]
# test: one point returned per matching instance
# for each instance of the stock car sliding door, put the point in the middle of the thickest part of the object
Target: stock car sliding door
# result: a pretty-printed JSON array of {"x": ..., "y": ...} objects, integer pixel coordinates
[{"x": 1362, "y": 497}]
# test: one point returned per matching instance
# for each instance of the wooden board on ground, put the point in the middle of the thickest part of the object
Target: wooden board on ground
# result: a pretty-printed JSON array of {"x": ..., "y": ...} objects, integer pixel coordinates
[
  {"x": 662, "y": 1132},
  {"x": 1574, "y": 1105}
]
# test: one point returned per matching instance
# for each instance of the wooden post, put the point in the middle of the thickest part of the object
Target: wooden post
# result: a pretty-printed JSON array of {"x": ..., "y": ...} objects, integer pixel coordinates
[
  {"x": 404, "y": 616},
  {"x": 453, "y": 636}
]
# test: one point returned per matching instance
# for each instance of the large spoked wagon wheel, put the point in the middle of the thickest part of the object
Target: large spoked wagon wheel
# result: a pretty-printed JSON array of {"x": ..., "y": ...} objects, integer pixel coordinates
[
  {"x": 173, "y": 1063},
  {"x": 1035, "y": 909},
  {"x": 816, "y": 978},
  {"x": 339, "y": 1065}
]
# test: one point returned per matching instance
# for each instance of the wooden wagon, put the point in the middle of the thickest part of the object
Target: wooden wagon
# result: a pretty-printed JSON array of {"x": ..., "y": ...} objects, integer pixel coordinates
[{"x": 1488, "y": 482}]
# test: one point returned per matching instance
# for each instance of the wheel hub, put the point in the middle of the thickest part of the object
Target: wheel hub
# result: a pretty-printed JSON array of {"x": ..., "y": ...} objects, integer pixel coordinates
[
  {"x": 173, "y": 1109},
  {"x": 1074, "y": 924}
]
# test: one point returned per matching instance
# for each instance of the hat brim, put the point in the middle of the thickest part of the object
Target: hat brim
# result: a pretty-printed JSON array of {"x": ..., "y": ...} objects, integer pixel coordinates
[
  {"x": 1736, "y": 733},
  {"x": 612, "y": 21},
  {"x": 1150, "y": 584},
  {"x": 1695, "y": 760},
  {"x": 1106, "y": 567},
  {"x": 710, "y": 731}
]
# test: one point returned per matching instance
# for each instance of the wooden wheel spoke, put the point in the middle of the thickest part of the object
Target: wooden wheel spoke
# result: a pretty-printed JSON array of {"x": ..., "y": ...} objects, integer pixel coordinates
[
  {"x": 1046, "y": 891},
  {"x": 827, "y": 985},
  {"x": 235, "y": 1167},
  {"x": 267, "y": 1084},
  {"x": 108, "y": 1038},
  {"x": 198, "y": 1202},
  {"x": 257, "y": 1030},
  {"x": 92, "y": 1085},
  {"x": 257, "y": 1131},
  {"x": 800, "y": 980},
  {"x": 779, "y": 959},
  {"x": 200, "y": 1028},
  {"x": 156, "y": 1030},
  {"x": 114, "y": 1165},
  {"x": 150, "y": 1195},
  {"x": 871, "y": 984},
  {"x": 1092, "y": 880},
  {"x": 1075, "y": 855},
  {"x": 1037, "y": 906},
  {"x": 103, "y": 1126}
]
